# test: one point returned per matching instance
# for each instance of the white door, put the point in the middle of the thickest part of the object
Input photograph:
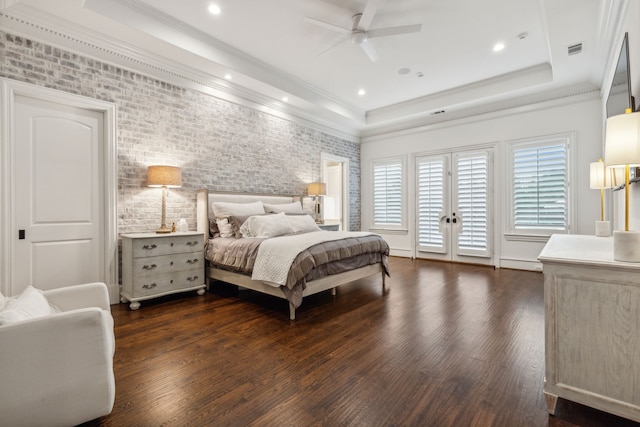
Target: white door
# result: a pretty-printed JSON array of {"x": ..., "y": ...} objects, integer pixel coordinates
[
  {"x": 58, "y": 224},
  {"x": 453, "y": 218}
]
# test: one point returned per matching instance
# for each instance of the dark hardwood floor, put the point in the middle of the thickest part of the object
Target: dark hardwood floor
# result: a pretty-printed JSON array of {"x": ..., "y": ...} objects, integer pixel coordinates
[{"x": 443, "y": 345}]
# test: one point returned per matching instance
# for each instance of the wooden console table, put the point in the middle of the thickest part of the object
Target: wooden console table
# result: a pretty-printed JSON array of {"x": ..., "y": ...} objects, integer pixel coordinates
[{"x": 592, "y": 325}]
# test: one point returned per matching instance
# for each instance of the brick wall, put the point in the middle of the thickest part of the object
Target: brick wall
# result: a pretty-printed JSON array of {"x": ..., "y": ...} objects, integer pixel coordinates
[{"x": 219, "y": 145}]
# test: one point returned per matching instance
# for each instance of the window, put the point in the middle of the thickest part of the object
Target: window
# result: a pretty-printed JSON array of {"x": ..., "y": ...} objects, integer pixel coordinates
[
  {"x": 388, "y": 194},
  {"x": 540, "y": 185}
]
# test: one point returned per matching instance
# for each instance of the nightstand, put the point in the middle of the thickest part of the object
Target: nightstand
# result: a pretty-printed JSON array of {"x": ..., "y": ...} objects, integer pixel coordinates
[
  {"x": 154, "y": 265},
  {"x": 329, "y": 227}
]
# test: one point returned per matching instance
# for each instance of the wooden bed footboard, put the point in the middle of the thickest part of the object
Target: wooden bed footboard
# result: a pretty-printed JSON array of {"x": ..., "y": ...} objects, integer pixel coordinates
[{"x": 313, "y": 287}]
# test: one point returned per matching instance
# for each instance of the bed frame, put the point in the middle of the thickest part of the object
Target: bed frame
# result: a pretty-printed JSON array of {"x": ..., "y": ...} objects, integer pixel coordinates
[{"x": 204, "y": 201}]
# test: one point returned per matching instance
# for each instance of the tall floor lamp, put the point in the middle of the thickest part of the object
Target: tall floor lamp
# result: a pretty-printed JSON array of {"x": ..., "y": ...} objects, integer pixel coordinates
[
  {"x": 317, "y": 189},
  {"x": 165, "y": 177}
]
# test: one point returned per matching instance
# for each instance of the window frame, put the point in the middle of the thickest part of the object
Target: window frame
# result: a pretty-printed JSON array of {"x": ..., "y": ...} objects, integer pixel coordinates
[
  {"x": 401, "y": 161},
  {"x": 541, "y": 234}
]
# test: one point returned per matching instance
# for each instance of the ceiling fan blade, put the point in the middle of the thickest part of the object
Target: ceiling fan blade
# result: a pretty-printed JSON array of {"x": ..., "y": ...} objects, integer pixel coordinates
[
  {"x": 333, "y": 46},
  {"x": 327, "y": 25},
  {"x": 392, "y": 31},
  {"x": 368, "y": 13},
  {"x": 369, "y": 50}
]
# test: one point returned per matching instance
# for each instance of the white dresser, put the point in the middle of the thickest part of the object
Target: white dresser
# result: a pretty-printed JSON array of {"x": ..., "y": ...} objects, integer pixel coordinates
[
  {"x": 154, "y": 265},
  {"x": 592, "y": 325}
]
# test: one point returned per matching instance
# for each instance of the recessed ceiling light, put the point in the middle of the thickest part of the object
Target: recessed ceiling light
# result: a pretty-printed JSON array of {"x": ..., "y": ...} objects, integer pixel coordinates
[
  {"x": 214, "y": 9},
  {"x": 228, "y": 76},
  {"x": 285, "y": 99},
  {"x": 498, "y": 47},
  {"x": 361, "y": 92}
]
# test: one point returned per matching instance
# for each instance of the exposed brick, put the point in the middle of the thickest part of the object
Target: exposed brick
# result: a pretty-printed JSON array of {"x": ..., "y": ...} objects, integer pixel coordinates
[{"x": 219, "y": 145}]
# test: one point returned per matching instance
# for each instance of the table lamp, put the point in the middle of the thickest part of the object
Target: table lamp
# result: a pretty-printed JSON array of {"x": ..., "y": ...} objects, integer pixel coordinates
[
  {"x": 165, "y": 177},
  {"x": 317, "y": 189},
  {"x": 622, "y": 149},
  {"x": 599, "y": 180}
]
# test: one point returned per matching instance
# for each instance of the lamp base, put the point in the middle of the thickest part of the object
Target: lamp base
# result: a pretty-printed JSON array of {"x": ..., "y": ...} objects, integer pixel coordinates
[
  {"x": 163, "y": 230},
  {"x": 626, "y": 246},
  {"x": 602, "y": 229}
]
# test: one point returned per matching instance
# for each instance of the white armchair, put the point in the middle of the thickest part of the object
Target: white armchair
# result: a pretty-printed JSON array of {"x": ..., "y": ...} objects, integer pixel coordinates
[{"x": 57, "y": 370}]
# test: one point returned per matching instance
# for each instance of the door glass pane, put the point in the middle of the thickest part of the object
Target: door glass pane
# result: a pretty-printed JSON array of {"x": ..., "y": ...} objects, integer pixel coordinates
[
  {"x": 472, "y": 177},
  {"x": 431, "y": 185}
]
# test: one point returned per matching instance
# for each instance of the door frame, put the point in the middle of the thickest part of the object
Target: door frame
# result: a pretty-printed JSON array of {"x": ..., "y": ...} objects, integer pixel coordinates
[
  {"x": 344, "y": 162},
  {"x": 494, "y": 207},
  {"x": 9, "y": 89}
]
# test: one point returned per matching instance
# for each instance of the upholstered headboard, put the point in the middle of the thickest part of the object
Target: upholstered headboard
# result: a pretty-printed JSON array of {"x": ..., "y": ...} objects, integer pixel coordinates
[{"x": 205, "y": 198}]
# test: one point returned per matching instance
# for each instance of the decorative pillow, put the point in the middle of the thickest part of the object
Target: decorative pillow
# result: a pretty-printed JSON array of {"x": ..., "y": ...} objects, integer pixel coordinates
[
  {"x": 223, "y": 210},
  {"x": 266, "y": 226},
  {"x": 302, "y": 223},
  {"x": 30, "y": 304},
  {"x": 213, "y": 229},
  {"x": 236, "y": 222},
  {"x": 3, "y": 301},
  {"x": 289, "y": 208}
]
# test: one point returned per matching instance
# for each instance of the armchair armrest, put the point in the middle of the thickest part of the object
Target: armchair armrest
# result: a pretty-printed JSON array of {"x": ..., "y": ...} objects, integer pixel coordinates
[
  {"x": 79, "y": 296},
  {"x": 60, "y": 368}
]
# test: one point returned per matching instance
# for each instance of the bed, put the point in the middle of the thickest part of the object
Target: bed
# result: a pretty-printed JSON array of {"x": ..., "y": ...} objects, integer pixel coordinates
[{"x": 324, "y": 260}]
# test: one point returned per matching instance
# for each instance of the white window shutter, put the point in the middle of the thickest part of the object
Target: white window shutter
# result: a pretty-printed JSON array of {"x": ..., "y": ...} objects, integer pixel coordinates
[{"x": 387, "y": 193}]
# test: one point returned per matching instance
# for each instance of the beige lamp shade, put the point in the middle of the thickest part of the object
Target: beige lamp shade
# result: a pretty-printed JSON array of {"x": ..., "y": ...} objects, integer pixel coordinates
[
  {"x": 317, "y": 189},
  {"x": 164, "y": 176},
  {"x": 622, "y": 140},
  {"x": 601, "y": 176}
]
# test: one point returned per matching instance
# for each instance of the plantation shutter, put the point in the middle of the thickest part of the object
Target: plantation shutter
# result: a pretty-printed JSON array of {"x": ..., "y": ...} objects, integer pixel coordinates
[
  {"x": 431, "y": 202},
  {"x": 540, "y": 186},
  {"x": 472, "y": 196},
  {"x": 387, "y": 193}
]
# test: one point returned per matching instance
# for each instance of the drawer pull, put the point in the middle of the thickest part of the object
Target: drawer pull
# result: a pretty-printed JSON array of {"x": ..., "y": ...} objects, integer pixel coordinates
[
  {"x": 192, "y": 261},
  {"x": 195, "y": 242},
  {"x": 152, "y": 246},
  {"x": 149, "y": 267},
  {"x": 149, "y": 285},
  {"x": 192, "y": 278}
]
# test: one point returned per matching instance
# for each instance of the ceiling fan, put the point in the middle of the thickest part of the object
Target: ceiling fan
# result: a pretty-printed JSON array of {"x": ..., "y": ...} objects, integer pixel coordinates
[{"x": 360, "y": 33}]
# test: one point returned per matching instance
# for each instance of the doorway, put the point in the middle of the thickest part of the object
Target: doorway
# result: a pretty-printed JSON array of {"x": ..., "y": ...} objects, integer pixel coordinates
[
  {"x": 335, "y": 204},
  {"x": 453, "y": 206}
]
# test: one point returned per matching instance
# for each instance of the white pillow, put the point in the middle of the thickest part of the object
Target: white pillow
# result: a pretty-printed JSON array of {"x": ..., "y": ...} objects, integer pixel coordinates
[
  {"x": 30, "y": 304},
  {"x": 3, "y": 301},
  {"x": 291, "y": 208},
  {"x": 223, "y": 210},
  {"x": 302, "y": 223},
  {"x": 266, "y": 226}
]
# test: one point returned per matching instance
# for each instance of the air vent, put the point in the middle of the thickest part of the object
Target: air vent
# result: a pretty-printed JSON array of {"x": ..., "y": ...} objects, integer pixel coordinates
[
  {"x": 574, "y": 49},
  {"x": 437, "y": 112}
]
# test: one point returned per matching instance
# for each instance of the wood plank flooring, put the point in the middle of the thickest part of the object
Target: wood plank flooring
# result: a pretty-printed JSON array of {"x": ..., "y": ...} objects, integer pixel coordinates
[{"x": 443, "y": 345}]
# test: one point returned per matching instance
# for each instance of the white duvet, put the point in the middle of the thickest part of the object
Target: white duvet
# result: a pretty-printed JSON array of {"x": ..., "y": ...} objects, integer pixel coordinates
[{"x": 276, "y": 255}]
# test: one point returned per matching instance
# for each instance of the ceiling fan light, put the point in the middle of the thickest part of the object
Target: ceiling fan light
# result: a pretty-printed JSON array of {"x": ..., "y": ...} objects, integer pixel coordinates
[{"x": 358, "y": 37}]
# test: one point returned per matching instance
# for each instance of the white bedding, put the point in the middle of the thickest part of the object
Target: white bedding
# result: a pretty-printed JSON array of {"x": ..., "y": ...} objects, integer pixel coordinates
[{"x": 285, "y": 249}]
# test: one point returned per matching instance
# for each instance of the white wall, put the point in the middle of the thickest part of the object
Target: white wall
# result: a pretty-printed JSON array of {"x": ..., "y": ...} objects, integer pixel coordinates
[{"x": 583, "y": 117}]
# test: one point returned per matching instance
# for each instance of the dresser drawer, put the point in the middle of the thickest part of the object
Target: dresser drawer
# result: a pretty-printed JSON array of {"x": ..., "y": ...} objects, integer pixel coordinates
[
  {"x": 164, "y": 283},
  {"x": 167, "y": 263},
  {"x": 162, "y": 246}
]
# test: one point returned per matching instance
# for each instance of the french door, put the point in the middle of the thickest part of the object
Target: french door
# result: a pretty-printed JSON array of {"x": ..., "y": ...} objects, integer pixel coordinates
[{"x": 453, "y": 206}]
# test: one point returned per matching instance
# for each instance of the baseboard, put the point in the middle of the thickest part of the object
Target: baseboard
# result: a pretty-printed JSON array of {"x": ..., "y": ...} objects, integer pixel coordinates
[
  {"x": 404, "y": 253},
  {"x": 517, "y": 264}
]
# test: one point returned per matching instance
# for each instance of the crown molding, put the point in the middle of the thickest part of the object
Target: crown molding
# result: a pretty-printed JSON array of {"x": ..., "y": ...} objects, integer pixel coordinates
[
  {"x": 32, "y": 23},
  {"x": 517, "y": 105}
]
